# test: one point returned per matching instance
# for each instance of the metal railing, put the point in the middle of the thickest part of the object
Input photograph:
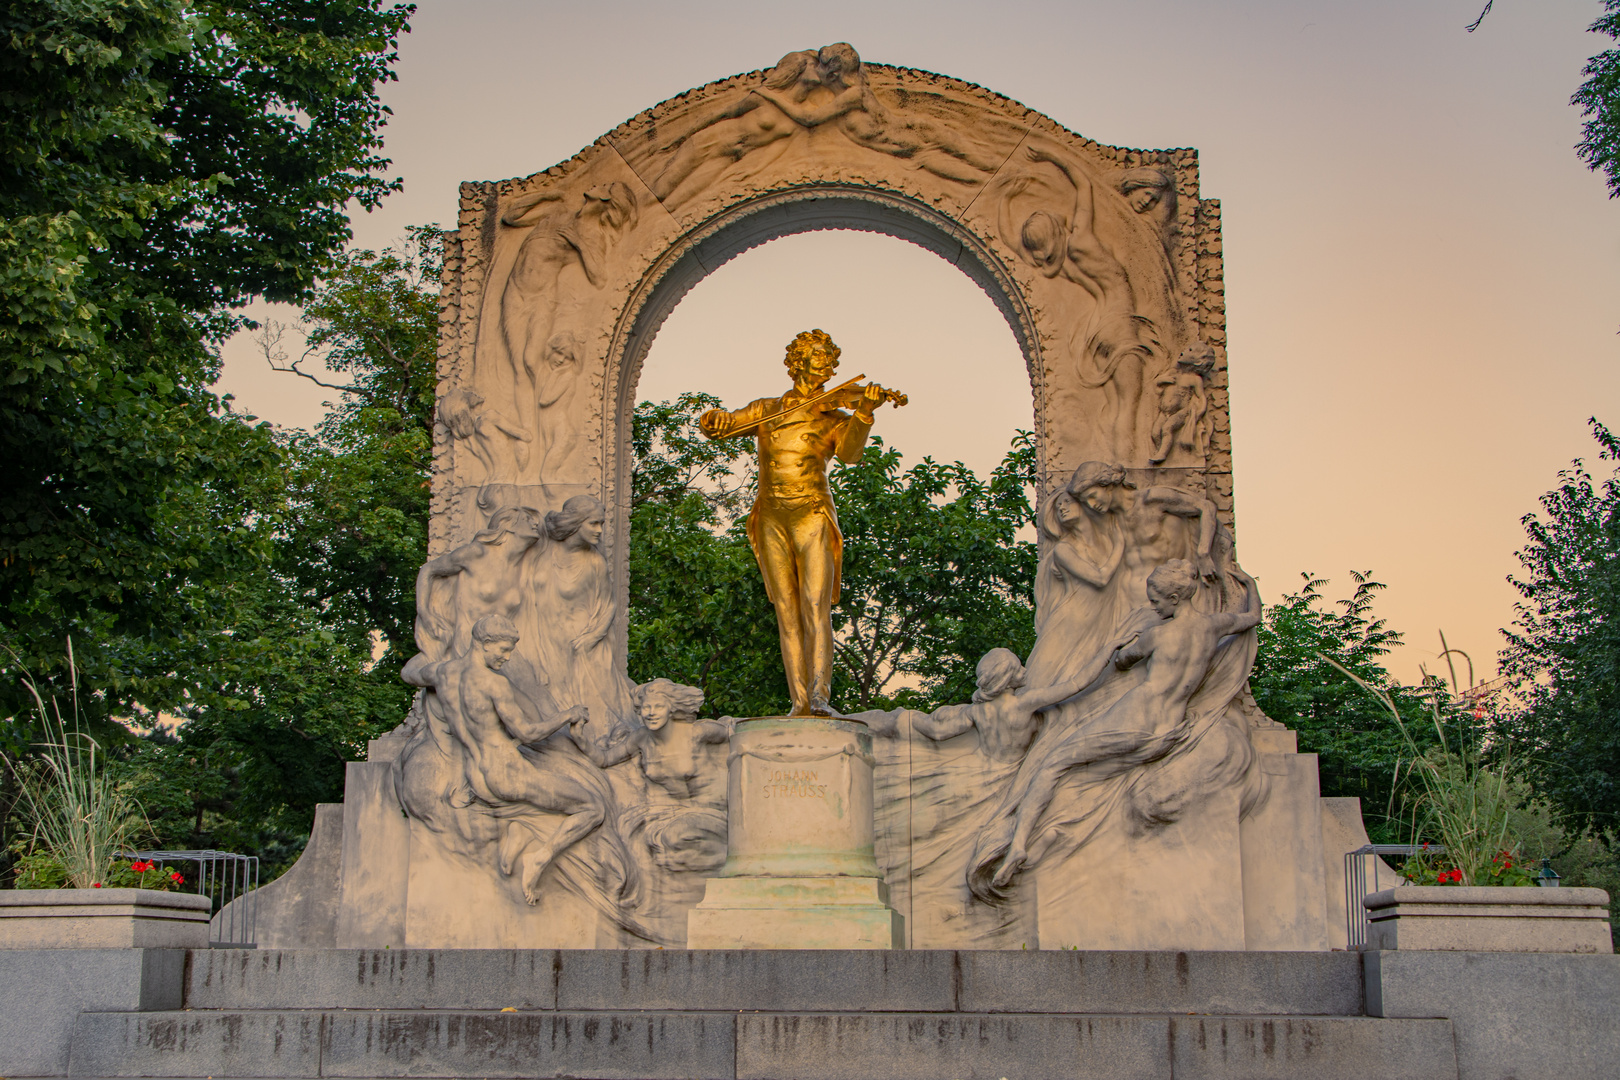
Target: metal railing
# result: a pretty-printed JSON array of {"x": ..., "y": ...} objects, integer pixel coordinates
[
  {"x": 223, "y": 877},
  {"x": 1355, "y": 882}
]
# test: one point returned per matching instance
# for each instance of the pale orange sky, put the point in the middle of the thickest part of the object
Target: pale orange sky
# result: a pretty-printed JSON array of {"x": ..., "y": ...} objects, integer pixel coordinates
[{"x": 1423, "y": 282}]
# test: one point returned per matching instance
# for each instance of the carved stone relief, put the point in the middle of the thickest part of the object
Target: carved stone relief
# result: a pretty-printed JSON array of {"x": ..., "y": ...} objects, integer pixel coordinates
[{"x": 533, "y": 761}]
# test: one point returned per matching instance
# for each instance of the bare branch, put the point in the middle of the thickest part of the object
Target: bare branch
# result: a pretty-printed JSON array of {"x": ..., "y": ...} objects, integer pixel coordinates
[
  {"x": 1475, "y": 24},
  {"x": 270, "y": 337}
]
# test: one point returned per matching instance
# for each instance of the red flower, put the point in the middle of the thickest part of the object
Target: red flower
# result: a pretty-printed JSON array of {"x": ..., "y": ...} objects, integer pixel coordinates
[
  {"x": 95, "y": 884},
  {"x": 140, "y": 867},
  {"x": 177, "y": 877}
]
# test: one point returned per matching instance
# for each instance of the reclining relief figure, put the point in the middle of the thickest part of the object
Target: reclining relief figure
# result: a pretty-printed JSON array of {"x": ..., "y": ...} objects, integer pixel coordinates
[
  {"x": 1141, "y": 726},
  {"x": 511, "y": 770}
]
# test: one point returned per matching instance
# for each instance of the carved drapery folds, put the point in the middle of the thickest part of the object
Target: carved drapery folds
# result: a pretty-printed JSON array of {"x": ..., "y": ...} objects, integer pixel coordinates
[{"x": 533, "y": 756}]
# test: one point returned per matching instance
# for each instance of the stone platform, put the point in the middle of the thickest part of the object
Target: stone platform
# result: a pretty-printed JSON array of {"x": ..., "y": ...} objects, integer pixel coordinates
[{"x": 828, "y": 1015}]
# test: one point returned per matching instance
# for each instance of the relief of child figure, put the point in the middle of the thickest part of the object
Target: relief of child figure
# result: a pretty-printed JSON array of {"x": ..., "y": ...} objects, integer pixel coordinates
[
  {"x": 1180, "y": 433},
  {"x": 673, "y": 746}
]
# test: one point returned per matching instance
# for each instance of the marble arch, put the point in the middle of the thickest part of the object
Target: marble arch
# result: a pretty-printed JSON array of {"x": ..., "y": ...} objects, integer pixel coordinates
[
  {"x": 569, "y": 807},
  {"x": 1104, "y": 260}
]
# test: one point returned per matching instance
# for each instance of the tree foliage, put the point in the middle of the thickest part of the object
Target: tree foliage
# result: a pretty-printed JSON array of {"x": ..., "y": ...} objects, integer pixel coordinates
[
  {"x": 1296, "y": 682},
  {"x": 160, "y": 163},
  {"x": 935, "y": 575},
  {"x": 698, "y": 611},
  {"x": 1563, "y": 651},
  {"x": 1599, "y": 101},
  {"x": 311, "y": 670}
]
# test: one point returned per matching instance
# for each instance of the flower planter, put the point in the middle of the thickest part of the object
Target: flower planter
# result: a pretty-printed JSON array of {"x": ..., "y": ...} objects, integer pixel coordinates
[
  {"x": 102, "y": 919},
  {"x": 1489, "y": 918}
]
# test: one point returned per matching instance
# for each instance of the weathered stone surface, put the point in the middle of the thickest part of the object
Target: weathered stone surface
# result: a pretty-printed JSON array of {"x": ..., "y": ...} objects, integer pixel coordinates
[
  {"x": 43, "y": 991},
  {"x": 1314, "y": 983},
  {"x": 769, "y": 980},
  {"x": 794, "y": 913},
  {"x": 1476, "y": 918},
  {"x": 102, "y": 919},
  {"x": 197, "y": 1044},
  {"x": 634, "y": 1013},
  {"x": 376, "y": 862},
  {"x": 1515, "y": 1015},
  {"x": 373, "y": 979},
  {"x": 1310, "y": 1048},
  {"x": 633, "y": 1046},
  {"x": 833, "y": 1046},
  {"x": 799, "y": 802},
  {"x": 1113, "y": 894},
  {"x": 299, "y": 908},
  {"x": 1284, "y": 908},
  {"x": 897, "y": 1046}
]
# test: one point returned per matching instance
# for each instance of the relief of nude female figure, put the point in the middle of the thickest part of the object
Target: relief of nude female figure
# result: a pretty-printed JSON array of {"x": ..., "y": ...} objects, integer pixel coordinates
[
  {"x": 557, "y": 241},
  {"x": 1115, "y": 346}
]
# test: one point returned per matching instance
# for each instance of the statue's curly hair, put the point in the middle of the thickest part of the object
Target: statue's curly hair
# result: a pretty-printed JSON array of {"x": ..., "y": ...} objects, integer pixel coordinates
[{"x": 799, "y": 349}]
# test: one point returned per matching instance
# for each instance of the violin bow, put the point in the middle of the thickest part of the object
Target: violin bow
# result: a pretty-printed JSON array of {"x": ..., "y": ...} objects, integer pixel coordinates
[{"x": 823, "y": 396}]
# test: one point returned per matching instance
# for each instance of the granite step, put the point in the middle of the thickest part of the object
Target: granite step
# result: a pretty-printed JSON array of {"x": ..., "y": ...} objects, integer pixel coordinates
[
  {"x": 766, "y": 1045},
  {"x": 1224, "y": 983}
]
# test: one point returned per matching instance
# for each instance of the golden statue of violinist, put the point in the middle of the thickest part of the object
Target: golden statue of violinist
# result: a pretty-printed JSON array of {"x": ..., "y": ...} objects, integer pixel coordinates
[{"x": 793, "y": 526}]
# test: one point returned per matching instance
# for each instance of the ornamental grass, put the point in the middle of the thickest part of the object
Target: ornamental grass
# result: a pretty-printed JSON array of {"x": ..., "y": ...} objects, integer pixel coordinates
[
  {"x": 1460, "y": 804},
  {"x": 81, "y": 818}
]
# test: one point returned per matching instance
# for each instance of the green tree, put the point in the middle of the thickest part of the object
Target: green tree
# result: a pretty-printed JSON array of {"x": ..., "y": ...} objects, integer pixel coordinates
[
  {"x": 1295, "y": 682},
  {"x": 935, "y": 575},
  {"x": 1599, "y": 100},
  {"x": 698, "y": 612},
  {"x": 161, "y": 163},
  {"x": 1563, "y": 651},
  {"x": 310, "y": 671}
]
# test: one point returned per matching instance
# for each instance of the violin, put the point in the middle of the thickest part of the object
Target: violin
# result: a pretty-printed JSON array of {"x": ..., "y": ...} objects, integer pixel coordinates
[{"x": 848, "y": 394}]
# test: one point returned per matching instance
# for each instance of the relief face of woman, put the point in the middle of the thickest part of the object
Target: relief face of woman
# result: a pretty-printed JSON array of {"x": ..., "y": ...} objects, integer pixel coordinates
[
  {"x": 1098, "y": 499},
  {"x": 1066, "y": 510},
  {"x": 589, "y": 533},
  {"x": 655, "y": 712}
]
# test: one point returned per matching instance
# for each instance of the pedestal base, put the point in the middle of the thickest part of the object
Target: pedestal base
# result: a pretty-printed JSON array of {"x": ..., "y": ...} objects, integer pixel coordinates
[{"x": 794, "y": 913}]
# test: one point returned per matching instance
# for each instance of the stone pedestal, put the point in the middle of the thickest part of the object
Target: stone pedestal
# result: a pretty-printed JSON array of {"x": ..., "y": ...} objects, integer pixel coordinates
[
  {"x": 102, "y": 919},
  {"x": 800, "y": 872},
  {"x": 1488, "y": 918}
]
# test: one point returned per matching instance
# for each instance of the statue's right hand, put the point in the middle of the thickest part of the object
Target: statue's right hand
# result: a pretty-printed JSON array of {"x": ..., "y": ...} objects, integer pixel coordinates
[
  {"x": 579, "y": 714},
  {"x": 713, "y": 422}
]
